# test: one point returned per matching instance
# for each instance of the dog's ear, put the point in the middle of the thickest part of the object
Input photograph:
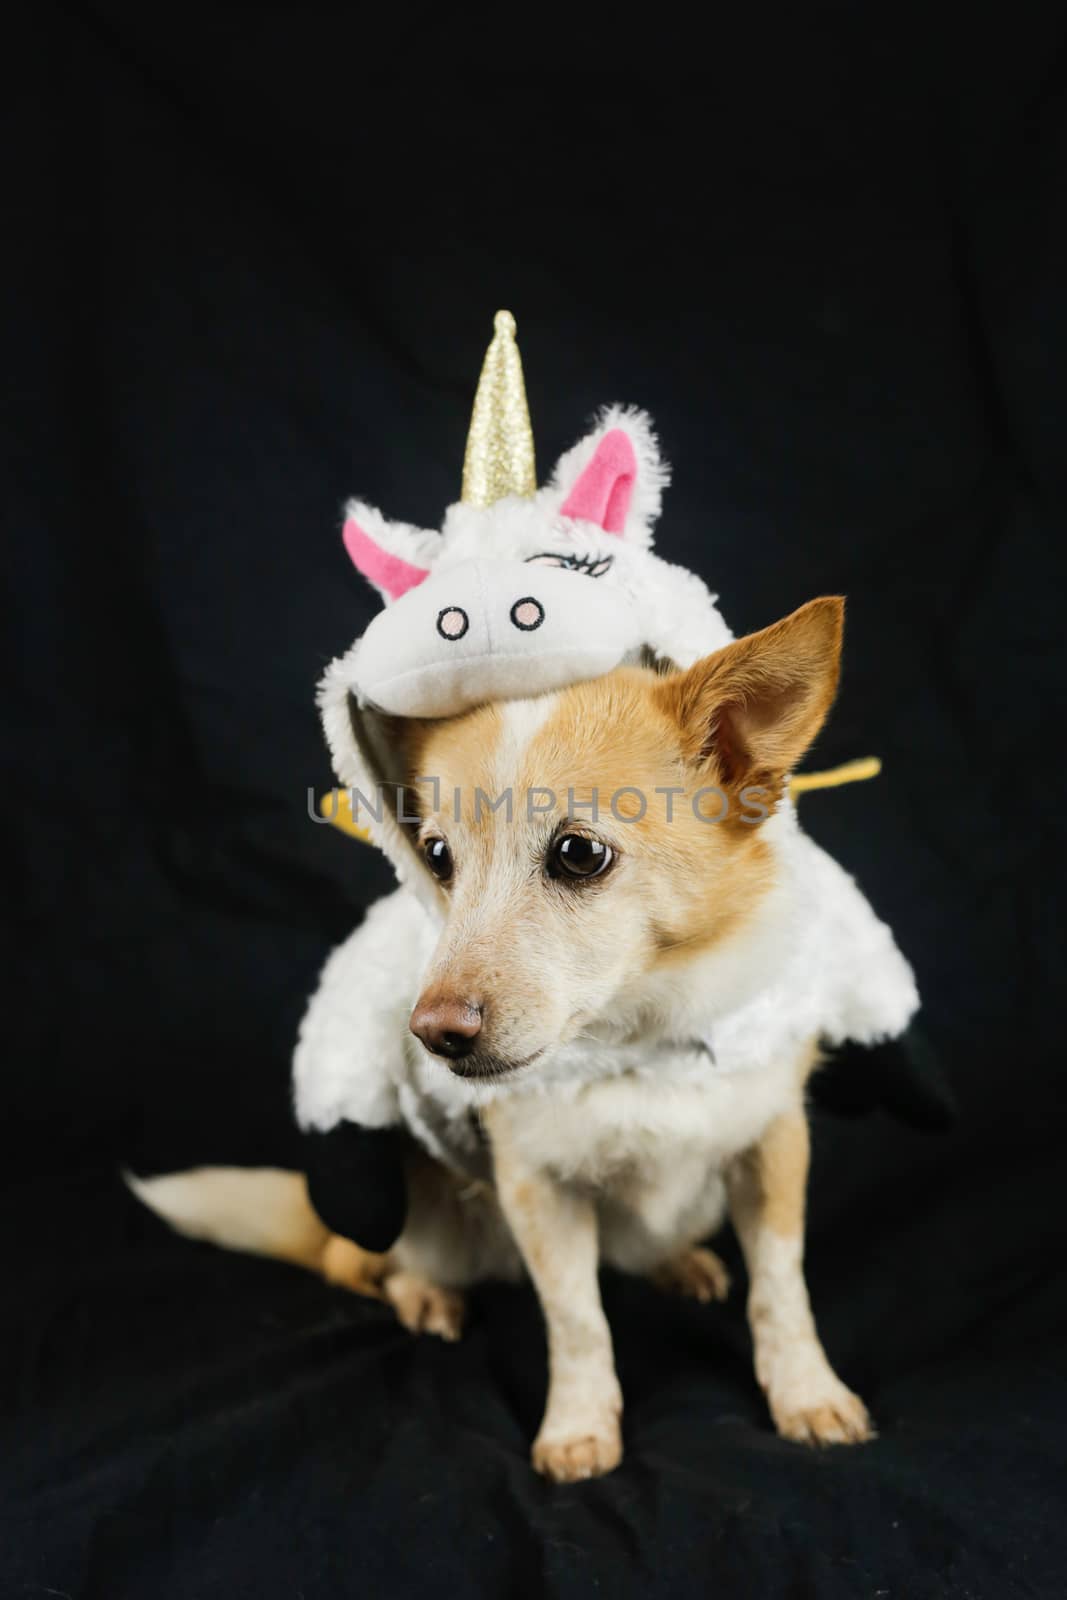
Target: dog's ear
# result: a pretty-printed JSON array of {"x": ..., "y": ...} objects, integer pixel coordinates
[
  {"x": 614, "y": 478},
  {"x": 393, "y": 556},
  {"x": 748, "y": 713}
]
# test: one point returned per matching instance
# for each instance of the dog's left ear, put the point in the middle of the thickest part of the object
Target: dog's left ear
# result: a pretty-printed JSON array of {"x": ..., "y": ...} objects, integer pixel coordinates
[
  {"x": 748, "y": 713},
  {"x": 614, "y": 478}
]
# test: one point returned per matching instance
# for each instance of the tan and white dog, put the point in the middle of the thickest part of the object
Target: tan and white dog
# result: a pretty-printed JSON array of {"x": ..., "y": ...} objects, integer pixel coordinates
[{"x": 597, "y": 979}]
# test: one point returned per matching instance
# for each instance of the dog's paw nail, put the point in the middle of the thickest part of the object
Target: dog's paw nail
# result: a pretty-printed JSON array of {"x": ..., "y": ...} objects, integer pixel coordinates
[
  {"x": 572, "y": 1460},
  {"x": 840, "y": 1418}
]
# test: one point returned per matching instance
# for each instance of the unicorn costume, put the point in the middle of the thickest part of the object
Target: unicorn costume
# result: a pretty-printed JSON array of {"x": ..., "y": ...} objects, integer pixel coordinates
[{"x": 526, "y": 590}]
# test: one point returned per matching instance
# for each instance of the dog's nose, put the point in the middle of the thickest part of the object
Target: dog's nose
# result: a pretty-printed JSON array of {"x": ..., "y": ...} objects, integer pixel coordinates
[{"x": 447, "y": 1027}]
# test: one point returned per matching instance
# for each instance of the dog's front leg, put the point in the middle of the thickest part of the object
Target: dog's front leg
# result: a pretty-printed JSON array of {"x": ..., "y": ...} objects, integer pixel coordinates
[
  {"x": 767, "y": 1187},
  {"x": 555, "y": 1228}
]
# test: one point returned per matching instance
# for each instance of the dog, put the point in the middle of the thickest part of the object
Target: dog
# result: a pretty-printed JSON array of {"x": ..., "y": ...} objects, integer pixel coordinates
[{"x": 604, "y": 964}]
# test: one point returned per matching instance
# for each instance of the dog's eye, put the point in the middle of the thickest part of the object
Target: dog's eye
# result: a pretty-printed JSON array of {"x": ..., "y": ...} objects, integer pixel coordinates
[
  {"x": 576, "y": 856},
  {"x": 438, "y": 858}
]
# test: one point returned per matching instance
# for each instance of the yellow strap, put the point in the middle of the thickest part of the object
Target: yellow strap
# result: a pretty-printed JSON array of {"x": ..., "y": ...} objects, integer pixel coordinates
[
  {"x": 850, "y": 772},
  {"x": 336, "y": 806}
]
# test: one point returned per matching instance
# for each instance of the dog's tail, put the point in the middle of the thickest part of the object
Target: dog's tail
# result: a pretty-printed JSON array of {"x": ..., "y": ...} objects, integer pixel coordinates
[{"x": 263, "y": 1210}]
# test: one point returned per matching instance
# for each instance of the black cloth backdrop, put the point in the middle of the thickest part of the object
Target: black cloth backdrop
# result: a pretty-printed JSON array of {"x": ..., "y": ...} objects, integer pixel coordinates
[{"x": 248, "y": 276}]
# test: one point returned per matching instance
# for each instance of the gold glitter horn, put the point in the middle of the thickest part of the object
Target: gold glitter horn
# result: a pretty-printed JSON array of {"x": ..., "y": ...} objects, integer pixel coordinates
[{"x": 500, "y": 447}]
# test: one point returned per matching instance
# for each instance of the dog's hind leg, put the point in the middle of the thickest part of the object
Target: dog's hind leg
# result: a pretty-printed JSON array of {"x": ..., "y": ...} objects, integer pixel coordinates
[
  {"x": 697, "y": 1273},
  {"x": 454, "y": 1236},
  {"x": 425, "y": 1307}
]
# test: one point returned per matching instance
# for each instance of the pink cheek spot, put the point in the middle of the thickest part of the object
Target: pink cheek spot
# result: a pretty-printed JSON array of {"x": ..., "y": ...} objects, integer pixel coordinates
[
  {"x": 452, "y": 622},
  {"x": 527, "y": 614}
]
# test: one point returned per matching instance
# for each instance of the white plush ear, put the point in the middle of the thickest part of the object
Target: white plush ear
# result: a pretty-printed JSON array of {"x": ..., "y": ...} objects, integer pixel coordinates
[
  {"x": 615, "y": 476},
  {"x": 393, "y": 556}
]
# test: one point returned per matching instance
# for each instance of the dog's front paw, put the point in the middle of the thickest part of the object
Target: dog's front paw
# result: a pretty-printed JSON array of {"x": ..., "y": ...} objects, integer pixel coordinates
[
  {"x": 584, "y": 1452},
  {"x": 831, "y": 1414}
]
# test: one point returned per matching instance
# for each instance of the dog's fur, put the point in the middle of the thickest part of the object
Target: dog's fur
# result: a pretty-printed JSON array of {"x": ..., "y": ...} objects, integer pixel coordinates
[{"x": 631, "y": 1168}]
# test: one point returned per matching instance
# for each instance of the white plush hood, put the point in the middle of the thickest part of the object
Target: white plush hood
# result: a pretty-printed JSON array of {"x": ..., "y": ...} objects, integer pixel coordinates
[{"x": 521, "y": 597}]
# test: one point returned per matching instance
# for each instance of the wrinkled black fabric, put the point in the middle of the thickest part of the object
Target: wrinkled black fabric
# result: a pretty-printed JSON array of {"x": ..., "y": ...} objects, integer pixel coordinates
[{"x": 251, "y": 267}]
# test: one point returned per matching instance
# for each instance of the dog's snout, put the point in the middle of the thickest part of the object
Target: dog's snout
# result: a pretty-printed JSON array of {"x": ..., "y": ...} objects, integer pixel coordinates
[{"x": 447, "y": 1027}]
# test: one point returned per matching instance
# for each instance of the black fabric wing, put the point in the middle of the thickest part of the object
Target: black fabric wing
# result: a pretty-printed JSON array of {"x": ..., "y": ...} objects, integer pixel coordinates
[{"x": 356, "y": 1182}]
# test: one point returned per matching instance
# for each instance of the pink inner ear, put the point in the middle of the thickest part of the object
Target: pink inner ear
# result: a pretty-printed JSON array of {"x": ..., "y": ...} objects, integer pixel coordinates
[
  {"x": 391, "y": 573},
  {"x": 604, "y": 490}
]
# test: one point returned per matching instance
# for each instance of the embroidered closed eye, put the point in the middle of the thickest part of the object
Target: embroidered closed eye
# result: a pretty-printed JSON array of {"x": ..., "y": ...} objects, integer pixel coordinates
[{"x": 591, "y": 566}]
